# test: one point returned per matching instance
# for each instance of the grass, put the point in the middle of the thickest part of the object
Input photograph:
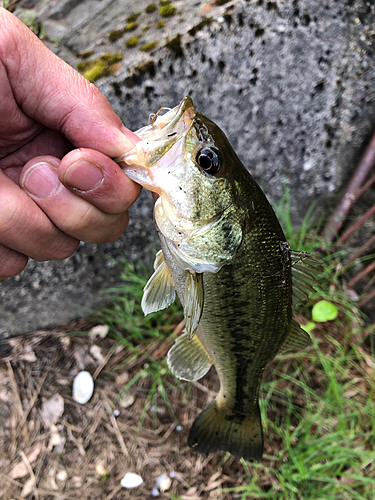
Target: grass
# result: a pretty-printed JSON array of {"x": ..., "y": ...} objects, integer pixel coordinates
[
  {"x": 136, "y": 332},
  {"x": 316, "y": 404},
  {"x": 317, "y": 411}
]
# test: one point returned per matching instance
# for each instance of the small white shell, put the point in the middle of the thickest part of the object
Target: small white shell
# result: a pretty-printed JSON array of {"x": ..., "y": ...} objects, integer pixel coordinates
[
  {"x": 131, "y": 480},
  {"x": 83, "y": 387}
]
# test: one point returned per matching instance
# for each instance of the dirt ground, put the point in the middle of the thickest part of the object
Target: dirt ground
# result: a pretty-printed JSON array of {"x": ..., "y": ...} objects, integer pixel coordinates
[
  {"x": 69, "y": 451},
  {"x": 83, "y": 451}
]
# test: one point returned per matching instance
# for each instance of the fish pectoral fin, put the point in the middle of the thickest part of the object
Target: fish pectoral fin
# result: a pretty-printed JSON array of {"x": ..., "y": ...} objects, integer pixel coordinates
[
  {"x": 305, "y": 270},
  {"x": 214, "y": 431},
  {"x": 159, "y": 291},
  {"x": 193, "y": 302},
  {"x": 296, "y": 339},
  {"x": 188, "y": 359}
]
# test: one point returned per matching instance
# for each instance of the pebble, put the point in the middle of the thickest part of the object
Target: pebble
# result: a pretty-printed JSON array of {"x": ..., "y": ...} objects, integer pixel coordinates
[
  {"x": 131, "y": 480},
  {"x": 83, "y": 387}
]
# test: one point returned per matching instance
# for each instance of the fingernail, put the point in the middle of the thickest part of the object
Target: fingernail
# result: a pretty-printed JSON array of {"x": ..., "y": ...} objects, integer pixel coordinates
[
  {"x": 41, "y": 180},
  {"x": 131, "y": 136},
  {"x": 83, "y": 175}
]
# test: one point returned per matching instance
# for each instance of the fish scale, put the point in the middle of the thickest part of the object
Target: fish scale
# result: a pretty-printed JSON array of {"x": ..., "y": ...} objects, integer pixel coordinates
[{"x": 225, "y": 254}]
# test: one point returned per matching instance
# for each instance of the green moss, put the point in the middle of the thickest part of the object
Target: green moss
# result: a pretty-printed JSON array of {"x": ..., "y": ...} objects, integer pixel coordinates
[
  {"x": 160, "y": 24},
  {"x": 111, "y": 58},
  {"x": 149, "y": 46},
  {"x": 163, "y": 3},
  {"x": 95, "y": 71},
  {"x": 167, "y": 10},
  {"x": 104, "y": 66},
  {"x": 145, "y": 28},
  {"x": 115, "y": 35},
  {"x": 151, "y": 8},
  {"x": 131, "y": 26},
  {"x": 132, "y": 42},
  {"x": 133, "y": 17}
]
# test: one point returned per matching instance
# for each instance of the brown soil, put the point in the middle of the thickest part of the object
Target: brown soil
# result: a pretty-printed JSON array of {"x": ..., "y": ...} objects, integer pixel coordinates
[{"x": 89, "y": 449}]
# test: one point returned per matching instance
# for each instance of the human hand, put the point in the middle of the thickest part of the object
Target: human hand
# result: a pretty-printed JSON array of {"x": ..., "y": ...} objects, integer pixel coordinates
[{"x": 52, "y": 195}]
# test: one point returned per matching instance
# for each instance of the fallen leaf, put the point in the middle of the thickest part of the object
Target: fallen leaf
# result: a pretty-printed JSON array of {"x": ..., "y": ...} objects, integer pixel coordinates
[
  {"x": 52, "y": 410},
  {"x": 99, "y": 331},
  {"x": 27, "y": 355},
  {"x": 96, "y": 352},
  {"x": 20, "y": 470},
  {"x": 28, "y": 487}
]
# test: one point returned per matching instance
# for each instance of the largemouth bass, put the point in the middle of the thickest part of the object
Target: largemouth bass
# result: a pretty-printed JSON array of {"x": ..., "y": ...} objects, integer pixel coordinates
[{"x": 224, "y": 252}]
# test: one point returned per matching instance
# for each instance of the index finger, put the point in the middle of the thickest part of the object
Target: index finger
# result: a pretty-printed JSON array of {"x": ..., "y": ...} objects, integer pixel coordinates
[{"x": 54, "y": 94}]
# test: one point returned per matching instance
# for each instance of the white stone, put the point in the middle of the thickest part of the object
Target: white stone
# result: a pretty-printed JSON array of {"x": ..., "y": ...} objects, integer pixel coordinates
[
  {"x": 83, "y": 387},
  {"x": 131, "y": 480}
]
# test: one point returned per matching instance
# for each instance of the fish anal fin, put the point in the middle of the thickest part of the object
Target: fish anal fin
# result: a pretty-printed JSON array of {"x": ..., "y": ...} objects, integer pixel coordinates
[
  {"x": 193, "y": 302},
  {"x": 188, "y": 359},
  {"x": 215, "y": 430},
  {"x": 296, "y": 339},
  {"x": 159, "y": 291}
]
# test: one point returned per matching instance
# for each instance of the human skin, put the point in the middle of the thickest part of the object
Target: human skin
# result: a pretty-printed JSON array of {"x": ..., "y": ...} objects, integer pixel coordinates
[{"x": 58, "y": 133}]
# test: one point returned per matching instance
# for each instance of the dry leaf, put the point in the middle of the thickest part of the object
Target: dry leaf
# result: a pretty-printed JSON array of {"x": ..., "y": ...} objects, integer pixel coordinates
[
  {"x": 96, "y": 352},
  {"x": 27, "y": 355},
  {"x": 52, "y": 410},
  {"x": 122, "y": 378},
  {"x": 28, "y": 487},
  {"x": 99, "y": 331},
  {"x": 20, "y": 470}
]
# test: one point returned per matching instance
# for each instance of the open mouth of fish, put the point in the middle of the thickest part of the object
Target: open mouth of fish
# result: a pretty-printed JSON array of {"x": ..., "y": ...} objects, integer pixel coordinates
[{"x": 158, "y": 138}]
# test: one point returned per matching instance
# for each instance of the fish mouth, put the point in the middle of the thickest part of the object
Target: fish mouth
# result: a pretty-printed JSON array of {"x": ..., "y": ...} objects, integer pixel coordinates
[{"x": 160, "y": 135}]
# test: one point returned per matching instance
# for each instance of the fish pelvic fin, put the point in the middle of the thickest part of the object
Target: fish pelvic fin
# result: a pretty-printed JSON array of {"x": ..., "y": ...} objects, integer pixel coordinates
[
  {"x": 188, "y": 359},
  {"x": 214, "y": 430},
  {"x": 159, "y": 291}
]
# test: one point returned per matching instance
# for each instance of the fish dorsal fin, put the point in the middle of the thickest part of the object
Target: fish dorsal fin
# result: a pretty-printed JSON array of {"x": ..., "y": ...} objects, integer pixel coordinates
[
  {"x": 188, "y": 359},
  {"x": 305, "y": 270},
  {"x": 296, "y": 339},
  {"x": 159, "y": 291},
  {"x": 193, "y": 302}
]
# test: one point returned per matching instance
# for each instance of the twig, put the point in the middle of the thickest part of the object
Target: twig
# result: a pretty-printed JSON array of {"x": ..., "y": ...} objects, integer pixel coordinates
[
  {"x": 103, "y": 363},
  {"x": 361, "y": 172},
  {"x": 32, "y": 401},
  {"x": 358, "y": 224},
  {"x": 31, "y": 472},
  {"x": 115, "y": 426},
  {"x": 362, "y": 274},
  {"x": 362, "y": 250},
  {"x": 366, "y": 299}
]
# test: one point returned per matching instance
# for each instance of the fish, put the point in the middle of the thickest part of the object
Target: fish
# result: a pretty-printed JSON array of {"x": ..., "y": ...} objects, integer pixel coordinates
[{"x": 224, "y": 253}]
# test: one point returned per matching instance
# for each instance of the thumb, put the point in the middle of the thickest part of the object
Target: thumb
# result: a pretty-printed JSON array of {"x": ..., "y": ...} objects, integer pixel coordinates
[{"x": 68, "y": 103}]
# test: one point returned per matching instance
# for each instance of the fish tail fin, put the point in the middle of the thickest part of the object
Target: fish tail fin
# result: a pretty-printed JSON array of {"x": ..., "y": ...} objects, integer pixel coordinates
[{"x": 215, "y": 430}]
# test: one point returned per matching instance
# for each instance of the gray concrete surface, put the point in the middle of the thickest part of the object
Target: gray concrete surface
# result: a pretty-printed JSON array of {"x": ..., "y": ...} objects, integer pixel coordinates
[{"x": 292, "y": 83}]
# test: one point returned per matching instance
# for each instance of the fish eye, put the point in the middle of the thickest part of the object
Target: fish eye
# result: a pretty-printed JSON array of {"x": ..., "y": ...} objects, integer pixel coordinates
[{"x": 209, "y": 160}]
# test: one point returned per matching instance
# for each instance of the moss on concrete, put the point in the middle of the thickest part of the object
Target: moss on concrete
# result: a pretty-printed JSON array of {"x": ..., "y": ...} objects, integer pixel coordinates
[
  {"x": 151, "y": 8},
  {"x": 133, "y": 17},
  {"x": 167, "y": 10},
  {"x": 160, "y": 24},
  {"x": 147, "y": 47},
  {"x": 132, "y": 42},
  {"x": 104, "y": 66}
]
